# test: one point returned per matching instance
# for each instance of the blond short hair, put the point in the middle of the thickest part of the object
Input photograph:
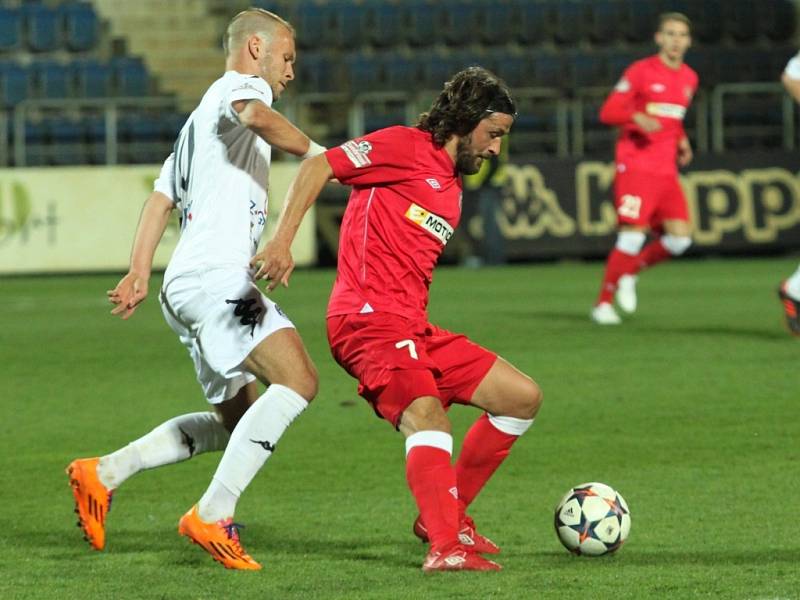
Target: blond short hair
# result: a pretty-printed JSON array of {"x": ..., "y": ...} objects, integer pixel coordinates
[
  {"x": 253, "y": 21},
  {"x": 674, "y": 16}
]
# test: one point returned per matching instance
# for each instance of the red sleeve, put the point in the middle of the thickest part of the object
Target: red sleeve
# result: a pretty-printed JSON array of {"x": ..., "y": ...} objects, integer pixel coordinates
[
  {"x": 619, "y": 107},
  {"x": 384, "y": 156}
]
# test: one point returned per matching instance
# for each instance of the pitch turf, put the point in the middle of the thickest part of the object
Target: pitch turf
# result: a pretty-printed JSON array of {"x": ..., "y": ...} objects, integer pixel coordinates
[{"x": 689, "y": 409}]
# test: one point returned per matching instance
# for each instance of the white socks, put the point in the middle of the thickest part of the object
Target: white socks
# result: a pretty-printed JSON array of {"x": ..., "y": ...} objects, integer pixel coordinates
[
  {"x": 176, "y": 440},
  {"x": 793, "y": 285},
  {"x": 252, "y": 442}
]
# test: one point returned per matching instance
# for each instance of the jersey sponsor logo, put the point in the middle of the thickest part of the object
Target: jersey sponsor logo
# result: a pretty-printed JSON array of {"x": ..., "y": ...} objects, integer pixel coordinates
[
  {"x": 430, "y": 222},
  {"x": 358, "y": 152},
  {"x": 666, "y": 110},
  {"x": 658, "y": 88},
  {"x": 623, "y": 85},
  {"x": 434, "y": 183}
]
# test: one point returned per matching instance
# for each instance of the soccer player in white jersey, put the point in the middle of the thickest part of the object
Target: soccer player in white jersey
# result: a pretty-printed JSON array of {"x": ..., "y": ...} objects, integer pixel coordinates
[
  {"x": 217, "y": 178},
  {"x": 789, "y": 290}
]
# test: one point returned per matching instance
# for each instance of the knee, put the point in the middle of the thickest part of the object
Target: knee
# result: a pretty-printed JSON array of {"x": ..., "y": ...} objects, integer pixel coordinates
[
  {"x": 676, "y": 244},
  {"x": 424, "y": 414},
  {"x": 530, "y": 400},
  {"x": 630, "y": 241}
]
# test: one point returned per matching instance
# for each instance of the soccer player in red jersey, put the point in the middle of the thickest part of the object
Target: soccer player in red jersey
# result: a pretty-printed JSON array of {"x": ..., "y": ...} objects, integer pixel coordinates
[
  {"x": 648, "y": 104},
  {"x": 403, "y": 208}
]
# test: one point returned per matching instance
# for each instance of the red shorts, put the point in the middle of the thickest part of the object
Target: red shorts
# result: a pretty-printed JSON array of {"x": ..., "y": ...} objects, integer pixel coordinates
[
  {"x": 397, "y": 360},
  {"x": 648, "y": 200}
]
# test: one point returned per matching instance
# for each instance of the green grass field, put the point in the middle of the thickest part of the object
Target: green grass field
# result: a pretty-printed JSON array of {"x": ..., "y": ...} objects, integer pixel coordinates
[{"x": 689, "y": 410}]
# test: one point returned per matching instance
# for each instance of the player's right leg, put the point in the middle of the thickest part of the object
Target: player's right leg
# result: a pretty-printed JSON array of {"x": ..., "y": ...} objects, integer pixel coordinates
[
  {"x": 789, "y": 295},
  {"x": 432, "y": 479}
]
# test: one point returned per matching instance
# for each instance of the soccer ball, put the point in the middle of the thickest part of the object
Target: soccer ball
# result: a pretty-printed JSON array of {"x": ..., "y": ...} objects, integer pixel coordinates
[{"x": 592, "y": 519}]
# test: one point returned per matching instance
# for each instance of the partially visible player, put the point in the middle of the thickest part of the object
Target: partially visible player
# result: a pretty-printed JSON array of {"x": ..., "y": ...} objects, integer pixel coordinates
[
  {"x": 789, "y": 290},
  {"x": 218, "y": 179},
  {"x": 404, "y": 206},
  {"x": 648, "y": 104}
]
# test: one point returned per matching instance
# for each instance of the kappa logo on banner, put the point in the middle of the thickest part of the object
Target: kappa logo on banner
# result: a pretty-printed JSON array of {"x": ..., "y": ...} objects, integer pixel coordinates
[
  {"x": 358, "y": 152},
  {"x": 430, "y": 222}
]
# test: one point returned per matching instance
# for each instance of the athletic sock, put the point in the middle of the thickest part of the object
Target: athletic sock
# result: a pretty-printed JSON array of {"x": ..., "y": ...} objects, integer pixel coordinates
[
  {"x": 485, "y": 447},
  {"x": 793, "y": 285},
  {"x": 173, "y": 441},
  {"x": 652, "y": 254},
  {"x": 432, "y": 480},
  {"x": 252, "y": 442},
  {"x": 619, "y": 263}
]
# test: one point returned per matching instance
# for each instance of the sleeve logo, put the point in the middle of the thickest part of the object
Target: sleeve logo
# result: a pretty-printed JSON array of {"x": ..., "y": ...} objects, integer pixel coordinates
[
  {"x": 358, "y": 152},
  {"x": 623, "y": 85},
  {"x": 433, "y": 224}
]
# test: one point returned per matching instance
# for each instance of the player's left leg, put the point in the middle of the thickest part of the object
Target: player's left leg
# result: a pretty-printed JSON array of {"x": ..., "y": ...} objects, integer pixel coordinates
[
  {"x": 676, "y": 240},
  {"x": 510, "y": 400}
]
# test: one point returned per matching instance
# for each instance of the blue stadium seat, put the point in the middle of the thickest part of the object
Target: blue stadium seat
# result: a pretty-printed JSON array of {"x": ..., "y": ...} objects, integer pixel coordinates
[
  {"x": 10, "y": 30},
  {"x": 363, "y": 72},
  {"x": 41, "y": 26},
  {"x": 707, "y": 22},
  {"x": 315, "y": 24},
  {"x": 36, "y": 139},
  {"x": 318, "y": 72},
  {"x": 459, "y": 22},
  {"x": 639, "y": 20},
  {"x": 509, "y": 66},
  {"x": 95, "y": 127},
  {"x": 80, "y": 26},
  {"x": 52, "y": 79},
  {"x": 532, "y": 20},
  {"x": 171, "y": 125},
  {"x": 421, "y": 22},
  {"x": 92, "y": 78},
  {"x": 569, "y": 21},
  {"x": 66, "y": 145},
  {"x": 384, "y": 23},
  {"x": 587, "y": 69},
  {"x": 741, "y": 19},
  {"x": 604, "y": 21},
  {"x": 546, "y": 69},
  {"x": 130, "y": 76},
  {"x": 778, "y": 20},
  {"x": 402, "y": 72},
  {"x": 347, "y": 24},
  {"x": 15, "y": 83},
  {"x": 495, "y": 21}
]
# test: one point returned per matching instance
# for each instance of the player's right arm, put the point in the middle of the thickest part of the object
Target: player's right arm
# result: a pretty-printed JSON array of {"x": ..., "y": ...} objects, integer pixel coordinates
[
  {"x": 132, "y": 289},
  {"x": 791, "y": 78},
  {"x": 619, "y": 107},
  {"x": 275, "y": 129}
]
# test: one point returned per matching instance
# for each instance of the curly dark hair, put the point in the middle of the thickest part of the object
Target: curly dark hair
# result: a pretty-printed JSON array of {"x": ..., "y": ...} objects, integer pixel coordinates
[{"x": 464, "y": 101}]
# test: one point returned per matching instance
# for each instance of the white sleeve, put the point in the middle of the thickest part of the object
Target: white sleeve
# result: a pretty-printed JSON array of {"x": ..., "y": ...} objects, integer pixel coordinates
[
  {"x": 792, "y": 69},
  {"x": 247, "y": 87},
  {"x": 166, "y": 179}
]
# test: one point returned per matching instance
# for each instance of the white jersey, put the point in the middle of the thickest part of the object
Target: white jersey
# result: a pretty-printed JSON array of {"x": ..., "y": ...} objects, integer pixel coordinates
[
  {"x": 218, "y": 176},
  {"x": 792, "y": 69}
]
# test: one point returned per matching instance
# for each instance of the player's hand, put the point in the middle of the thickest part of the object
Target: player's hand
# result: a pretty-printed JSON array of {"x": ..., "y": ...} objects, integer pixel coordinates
[
  {"x": 646, "y": 123},
  {"x": 685, "y": 153},
  {"x": 274, "y": 263},
  {"x": 128, "y": 295}
]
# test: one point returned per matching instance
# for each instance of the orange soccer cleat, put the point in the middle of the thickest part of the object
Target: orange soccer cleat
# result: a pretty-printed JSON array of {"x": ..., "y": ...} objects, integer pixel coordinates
[
  {"x": 92, "y": 500},
  {"x": 457, "y": 559},
  {"x": 469, "y": 538},
  {"x": 220, "y": 540}
]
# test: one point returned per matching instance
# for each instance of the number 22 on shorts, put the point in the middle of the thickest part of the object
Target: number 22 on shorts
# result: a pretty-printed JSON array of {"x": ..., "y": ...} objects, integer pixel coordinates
[
  {"x": 630, "y": 206},
  {"x": 412, "y": 348}
]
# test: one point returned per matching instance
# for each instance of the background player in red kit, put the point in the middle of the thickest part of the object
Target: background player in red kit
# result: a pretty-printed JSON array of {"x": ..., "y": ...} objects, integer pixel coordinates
[
  {"x": 648, "y": 104},
  {"x": 404, "y": 206}
]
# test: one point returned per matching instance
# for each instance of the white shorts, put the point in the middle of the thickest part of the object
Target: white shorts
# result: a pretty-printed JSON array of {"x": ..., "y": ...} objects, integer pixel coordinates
[{"x": 220, "y": 316}]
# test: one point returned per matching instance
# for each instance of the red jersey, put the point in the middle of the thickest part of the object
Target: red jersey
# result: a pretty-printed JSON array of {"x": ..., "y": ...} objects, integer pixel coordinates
[
  {"x": 651, "y": 87},
  {"x": 404, "y": 206}
]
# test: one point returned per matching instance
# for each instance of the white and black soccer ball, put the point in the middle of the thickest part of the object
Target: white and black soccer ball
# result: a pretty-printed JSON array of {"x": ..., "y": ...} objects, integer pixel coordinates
[{"x": 592, "y": 519}]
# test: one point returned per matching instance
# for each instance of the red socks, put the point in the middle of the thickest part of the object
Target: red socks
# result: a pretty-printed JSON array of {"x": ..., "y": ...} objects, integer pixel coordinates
[
  {"x": 432, "y": 480},
  {"x": 619, "y": 263},
  {"x": 652, "y": 254},
  {"x": 485, "y": 448}
]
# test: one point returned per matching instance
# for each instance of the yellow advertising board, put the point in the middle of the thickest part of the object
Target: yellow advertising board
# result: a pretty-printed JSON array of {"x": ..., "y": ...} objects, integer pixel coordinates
[{"x": 72, "y": 219}]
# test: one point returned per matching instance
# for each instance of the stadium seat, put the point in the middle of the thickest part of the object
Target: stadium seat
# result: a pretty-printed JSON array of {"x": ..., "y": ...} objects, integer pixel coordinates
[
  {"x": 66, "y": 137},
  {"x": 604, "y": 21},
  {"x": 95, "y": 128},
  {"x": 15, "y": 83},
  {"x": 639, "y": 20},
  {"x": 495, "y": 21},
  {"x": 41, "y": 27},
  {"x": 707, "y": 24},
  {"x": 587, "y": 69},
  {"x": 130, "y": 76},
  {"x": 778, "y": 20},
  {"x": 510, "y": 66},
  {"x": 421, "y": 22},
  {"x": 546, "y": 69},
  {"x": 383, "y": 23},
  {"x": 316, "y": 23},
  {"x": 569, "y": 21},
  {"x": 704, "y": 60},
  {"x": 10, "y": 30},
  {"x": 52, "y": 79},
  {"x": 459, "y": 22},
  {"x": 402, "y": 72},
  {"x": 80, "y": 26},
  {"x": 348, "y": 23},
  {"x": 92, "y": 78},
  {"x": 741, "y": 19},
  {"x": 363, "y": 72},
  {"x": 531, "y": 20},
  {"x": 35, "y": 142},
  {"x": 318, "y": 72}
]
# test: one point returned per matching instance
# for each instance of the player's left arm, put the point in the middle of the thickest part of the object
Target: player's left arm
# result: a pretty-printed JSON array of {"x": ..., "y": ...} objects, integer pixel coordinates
[
  {"x": 275, "y": 262},
  {"x": 275, "y": 129}
]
